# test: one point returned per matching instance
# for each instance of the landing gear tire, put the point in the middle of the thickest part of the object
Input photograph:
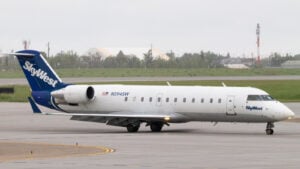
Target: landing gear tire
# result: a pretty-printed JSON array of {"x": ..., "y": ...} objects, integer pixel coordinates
[
  {"x": 156, "y": 126},
  {"x": 269, "y": 130},
  {"x": 132, "y": 128}
]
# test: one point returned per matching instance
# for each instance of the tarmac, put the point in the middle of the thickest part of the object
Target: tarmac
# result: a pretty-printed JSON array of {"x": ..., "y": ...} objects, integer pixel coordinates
[{"x": 188, "y": 145}]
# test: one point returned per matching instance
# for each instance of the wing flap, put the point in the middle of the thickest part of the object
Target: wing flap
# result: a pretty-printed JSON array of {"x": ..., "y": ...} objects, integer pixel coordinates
[{"x": 89, "y": 118}]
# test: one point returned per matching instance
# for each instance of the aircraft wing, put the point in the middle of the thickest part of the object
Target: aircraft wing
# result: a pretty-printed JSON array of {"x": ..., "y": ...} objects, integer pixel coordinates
[
  {"x": 112, "y": 115},
  {"x": 122, "y": 118},
  {"x": 115, "y": 118}
]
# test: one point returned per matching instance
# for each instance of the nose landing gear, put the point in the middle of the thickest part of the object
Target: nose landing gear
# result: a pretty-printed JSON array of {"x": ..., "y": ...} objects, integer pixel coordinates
[{"x": 269, "y": 130}]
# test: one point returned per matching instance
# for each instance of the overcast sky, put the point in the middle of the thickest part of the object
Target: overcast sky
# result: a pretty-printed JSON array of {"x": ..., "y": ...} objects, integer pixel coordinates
[{"x": 220, "y": 26}]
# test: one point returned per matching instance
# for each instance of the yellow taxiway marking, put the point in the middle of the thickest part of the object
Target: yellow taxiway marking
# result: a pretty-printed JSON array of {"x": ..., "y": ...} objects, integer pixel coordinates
[{"x": 32, "y": 155}]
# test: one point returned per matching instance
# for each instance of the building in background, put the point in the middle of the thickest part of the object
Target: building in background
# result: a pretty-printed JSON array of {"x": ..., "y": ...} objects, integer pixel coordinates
[{"x": 291, "y": 64}]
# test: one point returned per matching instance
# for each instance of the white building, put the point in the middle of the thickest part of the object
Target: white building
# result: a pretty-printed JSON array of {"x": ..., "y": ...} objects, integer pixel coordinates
[
  {"x": 291, "y": 64},
  {"x": 236, "y": 66}
]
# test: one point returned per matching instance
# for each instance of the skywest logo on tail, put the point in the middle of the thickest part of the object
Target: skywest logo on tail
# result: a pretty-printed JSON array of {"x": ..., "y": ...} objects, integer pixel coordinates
[{"x": 39, "y": 73}]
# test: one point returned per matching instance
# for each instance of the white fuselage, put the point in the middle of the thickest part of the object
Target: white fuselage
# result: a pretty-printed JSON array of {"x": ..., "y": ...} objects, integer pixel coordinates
[{"x": 190, "y": 103}]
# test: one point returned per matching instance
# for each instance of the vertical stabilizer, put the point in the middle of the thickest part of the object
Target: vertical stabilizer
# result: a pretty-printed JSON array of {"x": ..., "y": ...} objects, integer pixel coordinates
[{"x": 39, "y": 74}]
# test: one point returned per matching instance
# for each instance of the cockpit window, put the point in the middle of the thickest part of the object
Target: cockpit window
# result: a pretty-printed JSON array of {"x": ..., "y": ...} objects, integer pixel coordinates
[
  {"x": 259, "y": 98},
  {"x": 253, "y": 98},
  {"x": 266, "y": 97}
]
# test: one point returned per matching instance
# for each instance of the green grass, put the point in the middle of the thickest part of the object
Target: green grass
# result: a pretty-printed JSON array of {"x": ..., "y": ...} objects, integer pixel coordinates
[
  {"x": 20, "y": 95},
  {"x": 283, "y": 90},
  {"x": 138, "y": 72}
]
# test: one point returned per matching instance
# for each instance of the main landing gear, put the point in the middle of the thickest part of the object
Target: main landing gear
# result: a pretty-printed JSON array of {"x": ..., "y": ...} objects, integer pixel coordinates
[
  {"x": 156, "y": 126},
  {"x": 132, "y": 128},
  {"x": 269, "y": 130}
]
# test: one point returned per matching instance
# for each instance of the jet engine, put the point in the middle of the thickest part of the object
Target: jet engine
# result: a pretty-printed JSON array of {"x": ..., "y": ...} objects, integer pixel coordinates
[{"x": 74, "y": 94}]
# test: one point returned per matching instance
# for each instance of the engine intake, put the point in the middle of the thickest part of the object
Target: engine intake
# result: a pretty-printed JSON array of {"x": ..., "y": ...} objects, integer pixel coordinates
[{"x": 74, "y": 94}]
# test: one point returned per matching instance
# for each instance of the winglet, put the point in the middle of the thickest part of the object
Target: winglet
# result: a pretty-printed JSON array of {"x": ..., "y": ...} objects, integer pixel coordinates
[{"x": 34, "y": 107}]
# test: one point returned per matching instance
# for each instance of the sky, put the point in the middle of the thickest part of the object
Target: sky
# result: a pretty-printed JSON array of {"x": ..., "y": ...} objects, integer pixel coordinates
[{"x": 220, "y": 26}]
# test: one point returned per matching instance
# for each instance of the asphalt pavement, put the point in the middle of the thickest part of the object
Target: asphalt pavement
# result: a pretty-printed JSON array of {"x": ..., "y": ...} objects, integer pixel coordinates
[{"x": 187, "y": 145}]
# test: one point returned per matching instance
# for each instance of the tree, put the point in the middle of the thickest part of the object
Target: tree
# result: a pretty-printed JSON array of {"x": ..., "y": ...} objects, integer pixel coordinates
[
  {"x": 148, "y": 59},
  {"x": 122, "y": 60},
  {"x": 68, "y": 59},
  {"x": 276, "y": 60},
  {"x": 134, "y": 62}
]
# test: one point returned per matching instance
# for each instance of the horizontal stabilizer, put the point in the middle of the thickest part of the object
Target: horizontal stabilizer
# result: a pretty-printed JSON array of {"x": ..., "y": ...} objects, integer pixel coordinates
[{"x": 20, "y": 54}]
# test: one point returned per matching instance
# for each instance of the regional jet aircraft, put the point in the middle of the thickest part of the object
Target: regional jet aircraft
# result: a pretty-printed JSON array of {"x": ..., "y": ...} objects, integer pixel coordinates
[{"x": 131, "y": 105}]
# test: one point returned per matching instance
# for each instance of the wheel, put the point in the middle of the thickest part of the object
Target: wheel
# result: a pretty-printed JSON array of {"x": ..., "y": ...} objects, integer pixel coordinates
[
  {"x": 132, "y": 128},
  {"x": 156, "y": 126},
  {"x": 269, "y": 131}
]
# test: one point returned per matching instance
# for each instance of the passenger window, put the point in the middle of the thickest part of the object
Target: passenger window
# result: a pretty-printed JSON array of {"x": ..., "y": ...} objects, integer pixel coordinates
[
  {"x": 126, "y": 98},
  {"x": 193, "y": 100},
  {"x": 150, "y": 99},
  {"x": 142, "y": 99},
  {"x": 167, "y": 99},
  {"x": 220, "y": 100},
  {"x": 175, "y": 99},
  {"x": 184, "y": 100},
  {"x": 211, "y": 100},
  {"x": 158, "y": 99}
]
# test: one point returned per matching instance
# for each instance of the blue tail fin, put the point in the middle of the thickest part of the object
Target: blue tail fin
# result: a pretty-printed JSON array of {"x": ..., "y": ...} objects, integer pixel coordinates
[{"x": 40, "y": 75}]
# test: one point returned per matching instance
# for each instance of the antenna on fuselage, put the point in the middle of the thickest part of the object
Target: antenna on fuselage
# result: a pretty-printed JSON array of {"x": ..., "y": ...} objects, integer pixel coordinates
[
  {"x": 223, "y": 84},
  {"x": 168, "y": 83}
]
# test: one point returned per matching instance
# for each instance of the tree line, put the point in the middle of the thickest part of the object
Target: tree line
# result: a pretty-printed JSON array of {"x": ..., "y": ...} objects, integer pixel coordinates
[{"x": 70, "y": 59}]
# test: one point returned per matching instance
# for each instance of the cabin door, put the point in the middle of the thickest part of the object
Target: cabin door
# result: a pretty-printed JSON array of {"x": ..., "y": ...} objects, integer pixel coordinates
[{"x": 230, "y": 106}]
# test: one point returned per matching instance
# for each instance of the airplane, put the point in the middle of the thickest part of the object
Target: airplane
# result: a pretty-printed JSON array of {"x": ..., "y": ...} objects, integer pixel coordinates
[{"x": 131, "y": 105}]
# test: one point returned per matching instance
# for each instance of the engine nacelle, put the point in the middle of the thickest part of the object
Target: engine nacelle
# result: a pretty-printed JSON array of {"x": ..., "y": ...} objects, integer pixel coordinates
[{"x": 74, "y": 94}]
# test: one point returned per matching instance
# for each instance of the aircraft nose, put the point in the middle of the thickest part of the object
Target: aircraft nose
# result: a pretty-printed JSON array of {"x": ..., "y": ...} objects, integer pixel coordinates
[
  {"x": 281, "y": 112},
  {"x": 287, "y": 113}
]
